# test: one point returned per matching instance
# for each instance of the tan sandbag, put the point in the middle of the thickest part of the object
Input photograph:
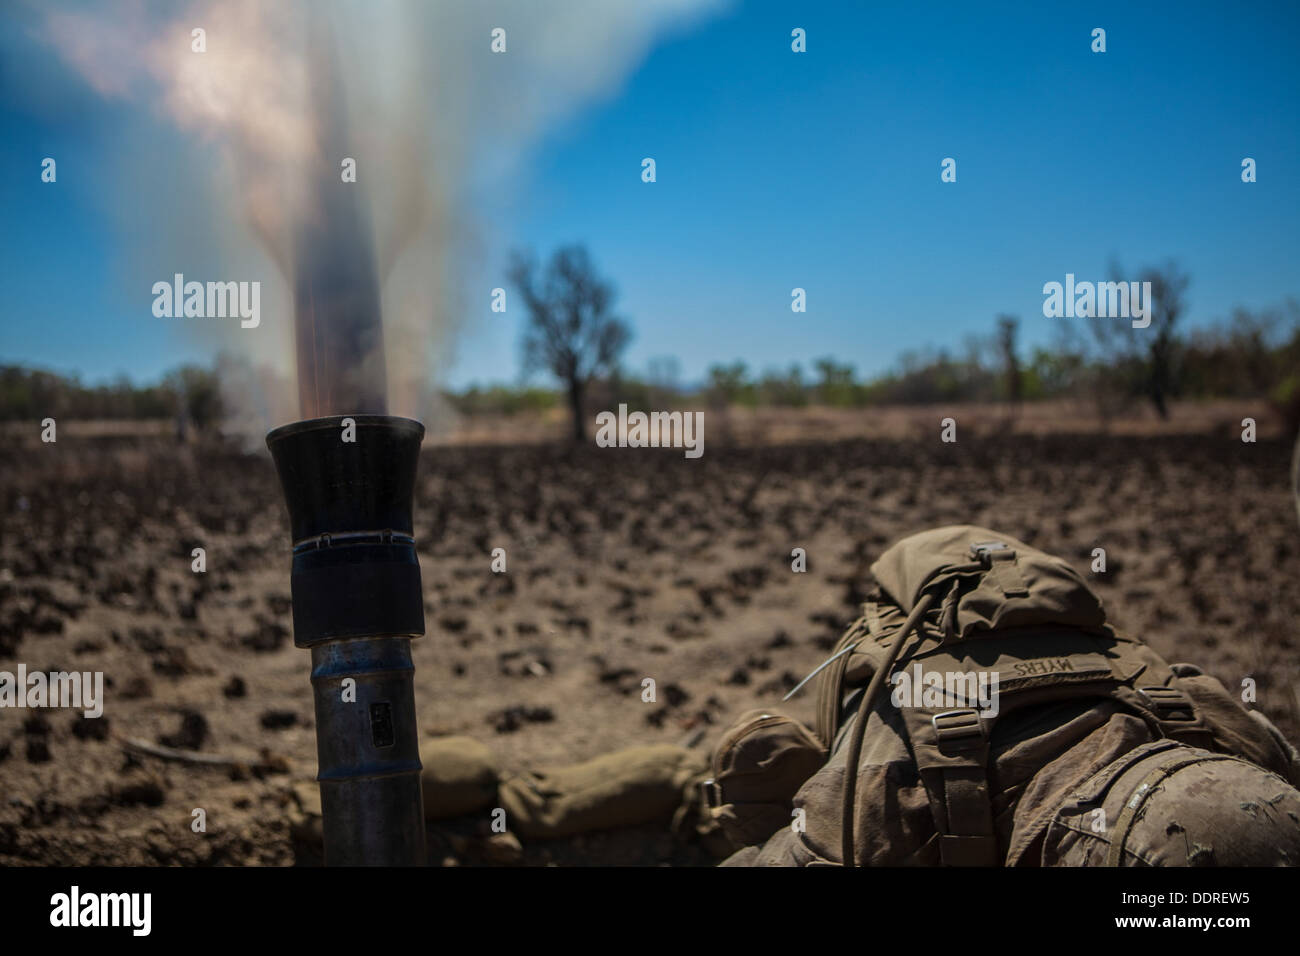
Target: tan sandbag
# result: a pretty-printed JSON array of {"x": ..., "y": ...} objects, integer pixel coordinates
[
  {"x": 624, "y": 788},
  {"x": 460, "y": 776}
]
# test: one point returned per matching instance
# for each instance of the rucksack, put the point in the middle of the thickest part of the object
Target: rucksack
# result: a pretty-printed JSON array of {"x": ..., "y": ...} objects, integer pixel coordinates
[
  {"x": 986, "y": 606},
  {"x": 758, "y": 766}
]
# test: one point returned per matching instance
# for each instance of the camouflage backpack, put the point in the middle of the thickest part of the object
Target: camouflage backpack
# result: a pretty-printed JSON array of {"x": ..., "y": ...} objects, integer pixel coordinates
[{"x": 960, "y": 611}]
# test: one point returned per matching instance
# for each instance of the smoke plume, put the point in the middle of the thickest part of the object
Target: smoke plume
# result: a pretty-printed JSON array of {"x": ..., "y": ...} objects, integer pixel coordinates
[{"x": 286, "y": 91}]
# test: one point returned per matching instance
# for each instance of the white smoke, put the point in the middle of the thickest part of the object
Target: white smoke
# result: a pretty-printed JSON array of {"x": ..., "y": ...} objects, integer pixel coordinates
[{"x": 433, "y": 118}]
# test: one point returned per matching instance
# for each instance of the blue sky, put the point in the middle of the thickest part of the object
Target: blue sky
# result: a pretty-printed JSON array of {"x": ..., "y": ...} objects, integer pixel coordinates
[{"x": 819, "y": 170}]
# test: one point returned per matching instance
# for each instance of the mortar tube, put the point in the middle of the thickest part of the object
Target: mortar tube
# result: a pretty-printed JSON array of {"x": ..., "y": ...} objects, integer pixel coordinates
[{"x": 357, "y": 604}]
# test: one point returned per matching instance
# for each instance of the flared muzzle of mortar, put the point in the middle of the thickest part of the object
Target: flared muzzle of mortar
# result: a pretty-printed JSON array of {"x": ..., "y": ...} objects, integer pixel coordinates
[{"x": 349, "y": 482}]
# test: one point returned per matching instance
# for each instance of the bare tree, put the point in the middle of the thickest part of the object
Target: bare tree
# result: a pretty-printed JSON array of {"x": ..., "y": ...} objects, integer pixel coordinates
[
  {"x": 1152, "y": 352},
  {"x": 1167, "y": 307},
  {"x": 1007, "y": 327},
  {"x": 571, "y": 332}
]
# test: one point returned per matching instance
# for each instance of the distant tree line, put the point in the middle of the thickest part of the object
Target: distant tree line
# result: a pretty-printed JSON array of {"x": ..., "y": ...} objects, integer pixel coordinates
[
  {"x": 190, "y": 394},
  {"x": 574, "y": 334},
  {"x": 1252, "y": 355}
]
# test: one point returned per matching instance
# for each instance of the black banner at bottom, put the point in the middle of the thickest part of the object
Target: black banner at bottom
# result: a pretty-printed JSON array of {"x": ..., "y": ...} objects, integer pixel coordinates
[{"x": 592, "y": 905}]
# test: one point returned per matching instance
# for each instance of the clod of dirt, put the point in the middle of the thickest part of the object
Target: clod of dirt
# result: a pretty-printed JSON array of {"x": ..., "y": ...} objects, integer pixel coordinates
[
  {"x": 137, "y": 688},
  {"x": 174, "y": 662},
  {"x": 191, "y": 735},
  {"x": 148, "y": 640},
  {"x": 90, "y": 728},
  {"x": 279, "y": 719},
  {"x": 269, "y": 763},
  {"x": 36, "y": 725},
  {"x": 512, "y": 718},
  {"x": 269, "y": 636},
  {"x": 38, "y": 750},
  {"x": 675, "y": 695},
  {"x": 144, "y": 792},
  {"x": 779, "y": 685},
  {"x": 782, "y": 639},
  {"x": 532, "y": 662},
  {"x": 625, "y": 679},
  {"x": 576, "y": 622},
  {"x": 681, "y": 630}
]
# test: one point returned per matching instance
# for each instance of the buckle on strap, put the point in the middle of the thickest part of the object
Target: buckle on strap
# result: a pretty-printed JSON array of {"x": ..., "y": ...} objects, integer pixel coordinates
[
  {"x": 984, "y": 552},
  {"x": 712, "y": 793},
  {"x": 999, "y": 560},
  {"x": 957, "y": 726},
  {"x": 1169, "y": 703}
]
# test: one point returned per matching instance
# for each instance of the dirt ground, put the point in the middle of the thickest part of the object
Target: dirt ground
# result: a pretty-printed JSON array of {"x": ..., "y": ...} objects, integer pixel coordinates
[{"x": 622, "y": 564}]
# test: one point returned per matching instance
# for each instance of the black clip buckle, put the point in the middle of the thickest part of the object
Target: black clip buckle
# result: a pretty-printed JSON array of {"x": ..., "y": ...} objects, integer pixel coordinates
[
  {"x": 1169, "y": 703},
  {"x": 957, "y": 725}
]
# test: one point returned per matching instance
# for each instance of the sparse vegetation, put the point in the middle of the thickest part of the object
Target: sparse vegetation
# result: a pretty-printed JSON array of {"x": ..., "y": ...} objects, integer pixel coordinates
[{"x": 1250, "y": 355}]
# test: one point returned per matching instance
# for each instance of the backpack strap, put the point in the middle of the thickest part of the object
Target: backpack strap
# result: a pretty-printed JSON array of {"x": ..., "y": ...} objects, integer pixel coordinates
[
  {"x": 830, "y": 687},
  {"x": 865, "y": 706},
  {"x": 1003, "y": 571},
  {"x": 951, "y": 749}
]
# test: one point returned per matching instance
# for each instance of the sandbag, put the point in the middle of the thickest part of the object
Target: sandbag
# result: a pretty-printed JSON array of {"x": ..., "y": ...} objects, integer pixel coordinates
[
  {"x": 624, "y": 788},
  {"x": 460, "y": 776}
]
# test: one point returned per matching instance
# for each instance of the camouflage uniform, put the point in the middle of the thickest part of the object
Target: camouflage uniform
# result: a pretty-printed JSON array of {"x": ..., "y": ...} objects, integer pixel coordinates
[
  {"x": 1101, "y": 751},
  {"x": 1221, "y": 811}
]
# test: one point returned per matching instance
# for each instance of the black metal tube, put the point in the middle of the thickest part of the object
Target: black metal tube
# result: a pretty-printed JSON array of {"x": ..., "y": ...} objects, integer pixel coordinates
[
  {"x": 369, "y": 758},
  {"x": 349, "y": 482}
]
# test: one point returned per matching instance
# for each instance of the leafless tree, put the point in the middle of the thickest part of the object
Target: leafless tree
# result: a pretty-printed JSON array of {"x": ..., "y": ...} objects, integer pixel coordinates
[
  {"x": 1007, "y": 327},
  {"x": 571, "y": 331},
  {"x": 1151, "y": 352}
]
